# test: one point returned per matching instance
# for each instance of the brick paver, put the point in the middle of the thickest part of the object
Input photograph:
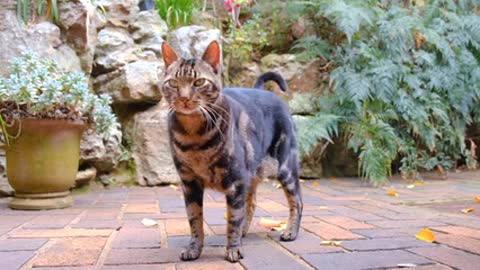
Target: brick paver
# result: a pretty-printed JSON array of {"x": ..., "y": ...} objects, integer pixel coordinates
[{"x": 103, "y": 229}]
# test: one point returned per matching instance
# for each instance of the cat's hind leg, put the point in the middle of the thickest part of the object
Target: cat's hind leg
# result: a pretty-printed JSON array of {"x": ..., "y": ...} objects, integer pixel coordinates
[{"x": 288, "y": 176}]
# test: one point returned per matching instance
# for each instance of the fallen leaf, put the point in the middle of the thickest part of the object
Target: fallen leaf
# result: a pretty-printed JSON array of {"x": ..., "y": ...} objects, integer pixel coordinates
[
  {"x": 174, "y": 187},
  {"x": 411, "y": 186},
  {"x": 419, "y": 183},
  {"x": 323, "y": 207},
  {"x": 406, "y": 265},
  {"x": 331, "y": 243},
  {"x": 277, "y": 186},
  {"x": 274, "y": 225},
  {"x": 315, "y": 184},
  {"x": 225, "y": 215},
  {"x": 147, "y": 222},
  {"x": 392, "y": 192},
  {"x": 426, "y": 235},
  {"x": 302, "y": 181},
  {"x": 468, "y": 210},
  {"x": 477, "y": 198}
]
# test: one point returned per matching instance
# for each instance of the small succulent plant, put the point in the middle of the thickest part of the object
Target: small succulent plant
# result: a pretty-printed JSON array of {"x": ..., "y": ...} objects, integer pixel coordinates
[{"x": 37, "y": 88}]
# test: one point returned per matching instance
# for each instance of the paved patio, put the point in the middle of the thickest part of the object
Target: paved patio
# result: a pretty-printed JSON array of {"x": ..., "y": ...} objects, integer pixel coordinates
[{"x": 103, "y": 230}]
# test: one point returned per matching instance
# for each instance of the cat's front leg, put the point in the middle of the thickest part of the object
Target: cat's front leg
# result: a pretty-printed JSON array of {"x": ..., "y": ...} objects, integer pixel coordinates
[
  {"x": 236, "y": 217},
  {"x": 193, "y": 193}
]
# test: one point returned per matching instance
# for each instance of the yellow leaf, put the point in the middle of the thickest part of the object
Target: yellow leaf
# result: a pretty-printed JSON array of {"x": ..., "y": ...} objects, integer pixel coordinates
[
  {"x": 174, "y": 187},
  {"x": 277, "y": 186},
  {"x": 302, "y": 181},
  {"x": 270, "y": 223},
  {"x": 281, "y": 227},
  {"x": 468, "y": 210},
  {"x": 477, "y": 198},
  {"x": 225, "y": 215},
  {"x": 411, "y": 186},
  {"x": 315, "y": 184},
  {"x": 323, "y": 207},
  {"x": 392, "y": 192},
  {"x": 419, "y": 183},
  {"x": 330, "y": 243},
  {"x": 426, "y": 235},
  {"x": 149, "y": 222}
]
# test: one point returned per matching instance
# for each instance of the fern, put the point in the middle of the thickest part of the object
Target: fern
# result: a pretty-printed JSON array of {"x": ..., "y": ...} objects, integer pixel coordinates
[{"x": 312, "y": 129}]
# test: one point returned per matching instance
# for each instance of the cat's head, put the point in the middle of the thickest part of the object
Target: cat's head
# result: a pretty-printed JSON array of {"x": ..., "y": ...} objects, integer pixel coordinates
[{"x": 189, "y": 85}]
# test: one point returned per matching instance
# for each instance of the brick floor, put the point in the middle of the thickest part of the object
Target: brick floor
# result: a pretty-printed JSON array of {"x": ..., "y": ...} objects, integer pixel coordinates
[{"x": 103, "y": 229}]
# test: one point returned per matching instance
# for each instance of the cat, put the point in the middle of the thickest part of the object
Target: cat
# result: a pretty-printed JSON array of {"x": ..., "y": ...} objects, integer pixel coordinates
[{"x": 228, "y": 140}]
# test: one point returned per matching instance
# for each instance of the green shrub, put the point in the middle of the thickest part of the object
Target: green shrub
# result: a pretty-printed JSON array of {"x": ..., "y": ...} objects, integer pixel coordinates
[
  {"x": 176, "y": 12},
  {"x": 407, "y": 82}
]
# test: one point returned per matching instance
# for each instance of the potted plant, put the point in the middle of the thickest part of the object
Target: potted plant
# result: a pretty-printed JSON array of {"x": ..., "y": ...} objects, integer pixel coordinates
[{"x": 43, "y": 113}]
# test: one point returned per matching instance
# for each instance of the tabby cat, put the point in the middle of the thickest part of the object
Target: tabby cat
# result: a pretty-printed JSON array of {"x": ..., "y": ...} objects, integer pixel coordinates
[{"x": 228, "y": 140}]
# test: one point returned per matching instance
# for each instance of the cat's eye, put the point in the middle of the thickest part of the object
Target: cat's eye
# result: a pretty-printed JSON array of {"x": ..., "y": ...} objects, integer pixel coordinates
[
  {"x": 199, "y": 82},
  {"x": 172, "y": 83}
]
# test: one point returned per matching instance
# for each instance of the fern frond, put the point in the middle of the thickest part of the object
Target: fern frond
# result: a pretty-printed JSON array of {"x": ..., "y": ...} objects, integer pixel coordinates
[{"x": 312, "y": 129}]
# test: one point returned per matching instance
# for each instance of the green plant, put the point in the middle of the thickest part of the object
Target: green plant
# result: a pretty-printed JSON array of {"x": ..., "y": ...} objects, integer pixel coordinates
[
  {"x": 37, "y": 8},
  {"x": 407, "y": 82},
  {"x": 36, "y": 88},
  {"x": 176, "y": 12}
]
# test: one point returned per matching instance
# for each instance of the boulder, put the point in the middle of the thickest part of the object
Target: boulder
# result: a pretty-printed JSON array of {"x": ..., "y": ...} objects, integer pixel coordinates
[
  {"x": 133, "y": 83},
  {"x": 191, "y": 41},
  {"x": 101, "y": 152},
  {"x": 83, "y": 177},
  {"x": 115, "y": 48},
  {"x": 147, "y": 24},
  {"x": 244, "y": 75},
  {"x": 5, "y": 189},
  {"x": 43, "y": 38},
  {"x": 303, "y": 77},
  {"x": 148, "y": 132},
  {"x": 77, "y": 19},
  {"x": 118, "y": 12}
]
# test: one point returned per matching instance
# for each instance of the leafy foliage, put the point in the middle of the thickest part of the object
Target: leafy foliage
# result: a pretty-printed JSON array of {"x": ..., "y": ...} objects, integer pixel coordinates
[
  {"x": 407, "y": 82},
  {"x": 36, "y": 88},
  {"x": 176, "y": 12}
]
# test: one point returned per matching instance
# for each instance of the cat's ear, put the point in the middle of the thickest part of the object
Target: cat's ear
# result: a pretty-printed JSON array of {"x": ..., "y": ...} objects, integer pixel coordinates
[
  {"x": 168, "y": 54},
  {"x": 212, "y": 55}
]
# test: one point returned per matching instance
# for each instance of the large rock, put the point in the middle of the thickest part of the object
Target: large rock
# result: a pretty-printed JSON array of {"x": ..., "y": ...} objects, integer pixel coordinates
[
  {"x": 43, "y": 38},
  {"x": 101, "y": 152},
  {"x": 148, "y": 30},
  {"x": 115, "y": 48},
  {"x": 5, "y": 188},
  {"x": 245, "y": 74},
  {"x": 148, "y": 132},
  {"x": 303, "y": 77},
  {"x": 118, "y": 12},
  {"x": 191, "y": 41},
  {"x": 133, "y": 83},
  {"x": 77, "y": 19}
]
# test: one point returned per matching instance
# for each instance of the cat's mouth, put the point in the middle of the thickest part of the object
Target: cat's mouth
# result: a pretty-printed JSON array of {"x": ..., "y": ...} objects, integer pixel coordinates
[{"x": 186, "y": 107}]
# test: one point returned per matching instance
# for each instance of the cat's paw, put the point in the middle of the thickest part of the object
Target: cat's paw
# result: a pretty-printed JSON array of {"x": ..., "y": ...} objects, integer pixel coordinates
[
  {"x": 233, "y": 255},
  {"x": 190, "y": 253},
  {"x": 288, "y": 235}
]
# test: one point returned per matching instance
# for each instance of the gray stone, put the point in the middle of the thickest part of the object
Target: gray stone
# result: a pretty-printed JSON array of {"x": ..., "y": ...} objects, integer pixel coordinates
[
  {"x": 5, "y": 189},
  {"x": 148, "y": 132},
  {"x": 245, "y": 75},
  {"x": 85, "y": 176},
  {"x": 133, "y": 83},
  {"x": 147, "y": 24},
  {"x": 115, "y": 48},
  {"x": 77, "y": 19},
  {"x": 118, "y": 12},
  {"x": 191, "y": 41},
  {"x": 101, "y": 152},
  {"x": 43, "y": 38}
]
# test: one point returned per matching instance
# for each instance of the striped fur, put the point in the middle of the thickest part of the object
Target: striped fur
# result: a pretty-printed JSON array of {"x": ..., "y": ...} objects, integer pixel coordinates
[{"x": 228, "y": 140}]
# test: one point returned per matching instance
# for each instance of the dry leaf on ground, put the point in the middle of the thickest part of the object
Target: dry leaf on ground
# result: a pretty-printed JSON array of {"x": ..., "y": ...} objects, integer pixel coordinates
[
  {"x": 477, "y": 198},
  {"x": 419, "y": 183},
  {"x": 274, "y": 225},
  {"x": 468, "y": 210},
  {"x": 331, "y": 243},
  {"x": 174, "y": 187},
  {"x": 315, "y": 184},
  {"x": 323, "y": 207},
  {"x": 426, "y": 235},
  {"x": 411, "y": 186},
  {"x": 406, "y": 265},
  {"x": 147, "y": 222},
  {"x": 392, "y": 192}
]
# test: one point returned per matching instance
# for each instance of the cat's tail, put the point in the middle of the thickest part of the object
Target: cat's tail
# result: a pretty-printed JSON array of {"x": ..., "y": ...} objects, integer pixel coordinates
[{"x": 271, "y": 76}]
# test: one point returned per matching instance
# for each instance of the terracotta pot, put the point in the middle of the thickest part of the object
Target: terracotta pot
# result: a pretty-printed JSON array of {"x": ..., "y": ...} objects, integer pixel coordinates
[{"x": 42, "y": 162}]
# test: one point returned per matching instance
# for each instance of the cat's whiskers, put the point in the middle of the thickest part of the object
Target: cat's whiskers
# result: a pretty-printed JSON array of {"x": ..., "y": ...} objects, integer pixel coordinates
[
  {"x": 217, "y": 116},
  {"x": 212, "y": 109}
]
